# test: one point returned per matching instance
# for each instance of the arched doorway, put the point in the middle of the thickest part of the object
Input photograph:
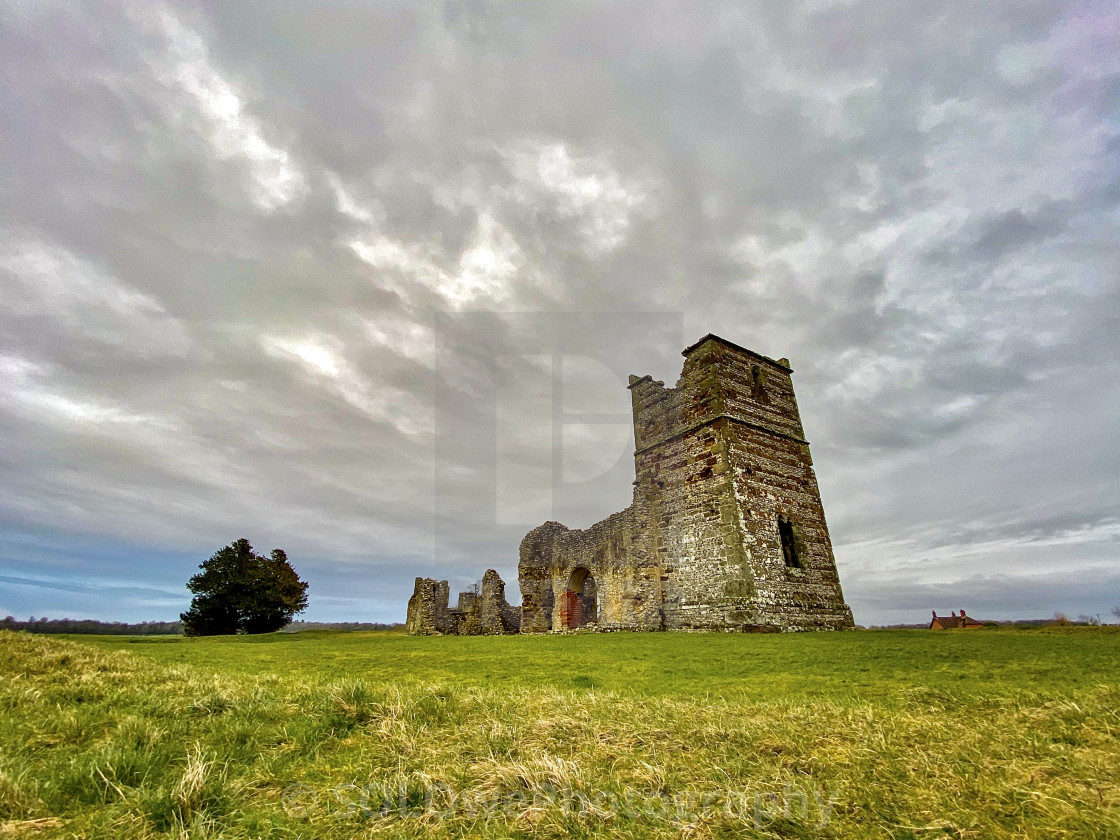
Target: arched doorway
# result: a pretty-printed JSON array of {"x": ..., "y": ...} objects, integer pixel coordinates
[{"x": 580, "y": 603}]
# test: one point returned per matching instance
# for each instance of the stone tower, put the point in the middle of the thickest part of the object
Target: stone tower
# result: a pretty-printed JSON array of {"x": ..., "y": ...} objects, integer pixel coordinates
[{"x": 726, "y": 530}]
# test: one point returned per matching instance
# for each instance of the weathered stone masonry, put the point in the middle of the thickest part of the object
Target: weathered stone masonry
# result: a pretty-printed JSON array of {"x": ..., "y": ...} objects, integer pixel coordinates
[
  {"x": 725, "y": 532},
  {"x": 482, "y": 613}
]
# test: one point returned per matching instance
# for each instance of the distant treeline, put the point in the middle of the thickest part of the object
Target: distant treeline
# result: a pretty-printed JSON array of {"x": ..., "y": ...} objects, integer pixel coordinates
[
  {"x": 296, "y": 626},
  {"x": 86, "y": 625},
  {"x": 162, "y": 628},
  {"x": 1023, "y": 623}
]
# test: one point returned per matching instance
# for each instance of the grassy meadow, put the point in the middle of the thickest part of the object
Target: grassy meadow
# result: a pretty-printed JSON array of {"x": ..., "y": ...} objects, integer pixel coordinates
[{"x": 879, "y": 734}]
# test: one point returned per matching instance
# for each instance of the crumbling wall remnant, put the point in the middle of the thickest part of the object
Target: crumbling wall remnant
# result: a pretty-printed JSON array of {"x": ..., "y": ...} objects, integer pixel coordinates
[{"x": 482, "y": 613}]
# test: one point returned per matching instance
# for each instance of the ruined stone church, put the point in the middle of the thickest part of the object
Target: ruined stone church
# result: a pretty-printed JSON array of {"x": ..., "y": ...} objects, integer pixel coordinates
[{"x": 726, "y": 530}]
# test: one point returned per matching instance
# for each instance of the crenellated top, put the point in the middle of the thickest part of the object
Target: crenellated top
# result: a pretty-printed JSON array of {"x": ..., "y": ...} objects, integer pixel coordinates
[{"x": 781, "y": 363}]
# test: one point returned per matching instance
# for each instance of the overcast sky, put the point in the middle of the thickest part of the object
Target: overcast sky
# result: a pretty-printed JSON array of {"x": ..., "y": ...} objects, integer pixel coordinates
[{"x": 325, "y": 276}]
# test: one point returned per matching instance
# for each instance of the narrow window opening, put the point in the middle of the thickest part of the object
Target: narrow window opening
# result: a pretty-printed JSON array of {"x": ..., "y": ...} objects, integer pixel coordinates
[
  {"x": 789, "y": 543},
  {"x": 758, "y": 387}
]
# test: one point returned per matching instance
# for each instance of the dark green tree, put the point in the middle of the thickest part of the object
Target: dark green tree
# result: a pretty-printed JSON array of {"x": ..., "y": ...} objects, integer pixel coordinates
[{"x": 239, "y": 591}]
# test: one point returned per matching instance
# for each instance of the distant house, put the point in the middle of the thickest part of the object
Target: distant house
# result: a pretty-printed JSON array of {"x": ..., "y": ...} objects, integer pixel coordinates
[{"x": 954, "y": 622}]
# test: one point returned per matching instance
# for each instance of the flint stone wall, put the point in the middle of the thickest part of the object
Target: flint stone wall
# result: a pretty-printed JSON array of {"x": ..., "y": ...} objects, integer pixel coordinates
[
  {"x": 720, "y": 459},
  {"x": 485, "y": 613}
]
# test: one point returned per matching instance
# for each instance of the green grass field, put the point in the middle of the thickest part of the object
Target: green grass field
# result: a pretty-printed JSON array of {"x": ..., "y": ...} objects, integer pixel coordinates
[{"x": 900, "y": 734}]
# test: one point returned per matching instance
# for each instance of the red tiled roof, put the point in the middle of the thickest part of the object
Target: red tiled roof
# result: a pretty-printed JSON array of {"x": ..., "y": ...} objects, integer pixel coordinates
[{"x": 949, "y": 622}]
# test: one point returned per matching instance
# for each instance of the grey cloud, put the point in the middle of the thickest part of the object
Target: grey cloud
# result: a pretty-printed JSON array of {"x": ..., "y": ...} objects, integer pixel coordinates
[
  {"x": 993, "y": 237},
  {"x": 914, "y": 204},
  {"x": 69, "y": 586}
]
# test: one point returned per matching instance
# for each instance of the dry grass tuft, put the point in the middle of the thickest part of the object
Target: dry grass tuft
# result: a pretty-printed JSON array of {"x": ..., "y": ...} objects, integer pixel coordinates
[
  {"x": 195, "y": 786},
  {"x": 16, "y": 799},
  {"x": 26, "y": 828}
]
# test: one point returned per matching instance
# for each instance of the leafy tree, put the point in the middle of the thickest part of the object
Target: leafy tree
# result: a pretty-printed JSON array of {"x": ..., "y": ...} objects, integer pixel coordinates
[
  {"x": 1116, "y": 611},
  {"x": 239, "y": 591}
]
